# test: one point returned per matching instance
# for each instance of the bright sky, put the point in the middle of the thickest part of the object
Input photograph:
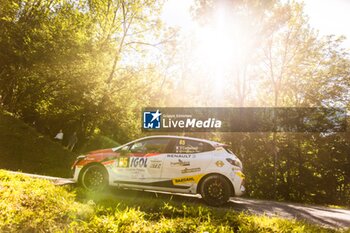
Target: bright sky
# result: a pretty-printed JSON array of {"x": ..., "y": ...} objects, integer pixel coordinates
[
  {"x": 328, "y": 16},
  {"x": 177, "y": 13}
]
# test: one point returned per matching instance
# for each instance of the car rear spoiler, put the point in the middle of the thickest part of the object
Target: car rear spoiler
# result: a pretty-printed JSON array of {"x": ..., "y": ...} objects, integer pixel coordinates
[{"x": 216, "y": 145}]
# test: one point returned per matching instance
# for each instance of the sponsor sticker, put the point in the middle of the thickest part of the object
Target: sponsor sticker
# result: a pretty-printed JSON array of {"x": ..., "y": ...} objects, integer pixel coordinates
[
  {"x": 138, "y": 162},
  {"x": 180, "y": 163},
  {"x": 123, "y": 162},
  {"x": 109, "y": 162},
  {"x": 219, "y": 163},
  {"x": 189, "y": 170},
  {"x": 132, "y": 162},
  {"x": 187, "y": 179},
  {"x": 155, "y": 165},
  {"x": 155, "y": 161},
  {"x": 184, "y": 180},
  {"x": 240, "y": 174},
  {"x": 179, "y": 156}
]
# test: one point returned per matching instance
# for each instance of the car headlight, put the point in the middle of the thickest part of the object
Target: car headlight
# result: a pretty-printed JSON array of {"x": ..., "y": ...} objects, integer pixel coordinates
[
  {"x": 235, "y": 162},
  {"x": 81, "y": 157},
  {"x": 77, "y": 160}
]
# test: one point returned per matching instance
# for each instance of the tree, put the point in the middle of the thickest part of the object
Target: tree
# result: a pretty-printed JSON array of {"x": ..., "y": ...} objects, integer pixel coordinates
[{"x": 59, "y": 60}]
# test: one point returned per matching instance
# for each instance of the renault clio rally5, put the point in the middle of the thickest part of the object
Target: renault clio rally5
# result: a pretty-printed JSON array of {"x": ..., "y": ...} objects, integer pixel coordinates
[{"x": 165, "y": 163}]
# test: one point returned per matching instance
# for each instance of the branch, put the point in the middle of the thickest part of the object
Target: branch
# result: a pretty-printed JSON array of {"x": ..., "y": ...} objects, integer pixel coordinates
[{"x": 117, "y": 55}]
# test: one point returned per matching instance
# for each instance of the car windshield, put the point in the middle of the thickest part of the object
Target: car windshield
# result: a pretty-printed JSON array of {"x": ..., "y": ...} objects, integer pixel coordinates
[{"x": 228, "y": 149}]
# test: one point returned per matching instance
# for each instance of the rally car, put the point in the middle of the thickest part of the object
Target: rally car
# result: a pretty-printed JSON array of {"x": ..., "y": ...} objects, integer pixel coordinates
[{"x": 165, "y": 163}]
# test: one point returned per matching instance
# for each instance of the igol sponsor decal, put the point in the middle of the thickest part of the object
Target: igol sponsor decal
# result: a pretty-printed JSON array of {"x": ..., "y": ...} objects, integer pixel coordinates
[
  {"x": 138, "y": 162},
  {"x": 124, "y": 162},
  {"x": 189, "y": 170}
]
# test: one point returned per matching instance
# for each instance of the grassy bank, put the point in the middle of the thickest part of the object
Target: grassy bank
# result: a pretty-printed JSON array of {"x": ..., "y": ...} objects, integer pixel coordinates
[
  {"x": 23, "y": 148},
  {"x": 32, "y": 205}
]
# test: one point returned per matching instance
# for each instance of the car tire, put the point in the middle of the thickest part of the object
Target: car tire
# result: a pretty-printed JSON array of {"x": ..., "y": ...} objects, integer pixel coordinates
[
  {"x": 215, "y": 190},
  {"x": 94, "y": 178}
]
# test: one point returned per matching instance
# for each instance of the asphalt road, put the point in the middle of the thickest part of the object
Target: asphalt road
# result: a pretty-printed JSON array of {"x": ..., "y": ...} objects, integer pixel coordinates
[
  {"x": 328, "y": 217},
  {"x": 324, "y": 216}
]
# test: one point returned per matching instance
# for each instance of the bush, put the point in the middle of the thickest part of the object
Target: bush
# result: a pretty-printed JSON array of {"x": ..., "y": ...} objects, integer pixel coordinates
[{"x": 23, "y": 148}]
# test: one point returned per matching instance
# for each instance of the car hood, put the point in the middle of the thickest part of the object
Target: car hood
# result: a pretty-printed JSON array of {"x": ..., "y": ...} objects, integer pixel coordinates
[{"x": 98, "y": 155}]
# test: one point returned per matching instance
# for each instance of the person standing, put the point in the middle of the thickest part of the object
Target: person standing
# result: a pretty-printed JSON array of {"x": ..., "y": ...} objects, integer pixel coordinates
[
  {"x": 59, "y": 136},
  {"x": 72, "y": 141}
]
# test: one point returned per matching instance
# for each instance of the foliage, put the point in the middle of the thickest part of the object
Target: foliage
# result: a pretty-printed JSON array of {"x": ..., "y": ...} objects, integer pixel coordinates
[
  {"x": 23, "y": 148},
  {"x": 37, "y": 205},
  {"x": 63, "y": 65},
  {"x": 311, "y": 167}
]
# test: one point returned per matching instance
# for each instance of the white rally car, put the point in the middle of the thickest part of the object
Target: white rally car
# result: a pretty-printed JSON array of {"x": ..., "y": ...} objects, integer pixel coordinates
[{"x": 165, "y": 163}]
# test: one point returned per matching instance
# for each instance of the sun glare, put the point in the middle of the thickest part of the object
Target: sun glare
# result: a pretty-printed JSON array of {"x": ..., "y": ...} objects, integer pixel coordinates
[{"x": 220, "y": 46}]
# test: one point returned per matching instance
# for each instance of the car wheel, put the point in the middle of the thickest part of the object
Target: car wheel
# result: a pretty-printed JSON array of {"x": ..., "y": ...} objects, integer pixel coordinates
[
  {"x": 94, "y": 178},
  {"x": 215, "y": 190}
]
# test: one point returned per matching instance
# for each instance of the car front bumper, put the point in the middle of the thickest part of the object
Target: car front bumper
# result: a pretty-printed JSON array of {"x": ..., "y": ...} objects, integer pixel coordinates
[{"x": 238, "y": 181}]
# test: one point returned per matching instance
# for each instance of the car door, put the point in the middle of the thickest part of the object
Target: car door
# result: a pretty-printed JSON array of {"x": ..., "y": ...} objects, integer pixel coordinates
[
  {"x": 141, "y": 161},
  {"x": 187, "y": 161}
]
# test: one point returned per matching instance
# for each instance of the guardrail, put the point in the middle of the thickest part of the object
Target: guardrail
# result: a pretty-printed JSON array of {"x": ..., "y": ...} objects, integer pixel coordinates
[{"x": 55, "y": 180}]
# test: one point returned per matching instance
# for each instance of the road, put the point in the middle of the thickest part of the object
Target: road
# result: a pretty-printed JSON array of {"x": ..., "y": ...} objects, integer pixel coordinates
[
  {"x": 328, "y": 217},
  {"x": 324, "y": 216}
]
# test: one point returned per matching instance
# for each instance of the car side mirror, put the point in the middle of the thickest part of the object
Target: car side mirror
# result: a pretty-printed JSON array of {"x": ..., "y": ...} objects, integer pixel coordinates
[
  {"x": 137, "y": 150},
  {"x": 124, "y": 150}
]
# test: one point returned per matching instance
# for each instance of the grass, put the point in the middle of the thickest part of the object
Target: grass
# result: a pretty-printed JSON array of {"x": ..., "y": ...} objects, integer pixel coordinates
[
  {"x": 337, "y": 207},
  {"x": 33, "y": 205},
  {"x": 23, "y": 148}
]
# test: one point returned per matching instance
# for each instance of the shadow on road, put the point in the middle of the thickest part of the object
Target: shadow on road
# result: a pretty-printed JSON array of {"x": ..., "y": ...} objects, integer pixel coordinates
[
  {"x": 315, "y": 214},
  {"x": 328, "y": 217}
]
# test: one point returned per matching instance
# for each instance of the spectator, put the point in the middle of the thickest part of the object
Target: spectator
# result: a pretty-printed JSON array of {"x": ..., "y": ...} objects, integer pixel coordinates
[
  {"x": 59, "y": 136},
  {"x": 72, "y": 141}
]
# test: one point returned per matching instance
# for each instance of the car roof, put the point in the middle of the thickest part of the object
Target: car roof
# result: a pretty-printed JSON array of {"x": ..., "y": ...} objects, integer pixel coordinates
[{"x": 215, "y": 144}]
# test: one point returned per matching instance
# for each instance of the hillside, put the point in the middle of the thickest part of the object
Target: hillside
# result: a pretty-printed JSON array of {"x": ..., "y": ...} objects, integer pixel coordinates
[{"x": 23, "y": 148}]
